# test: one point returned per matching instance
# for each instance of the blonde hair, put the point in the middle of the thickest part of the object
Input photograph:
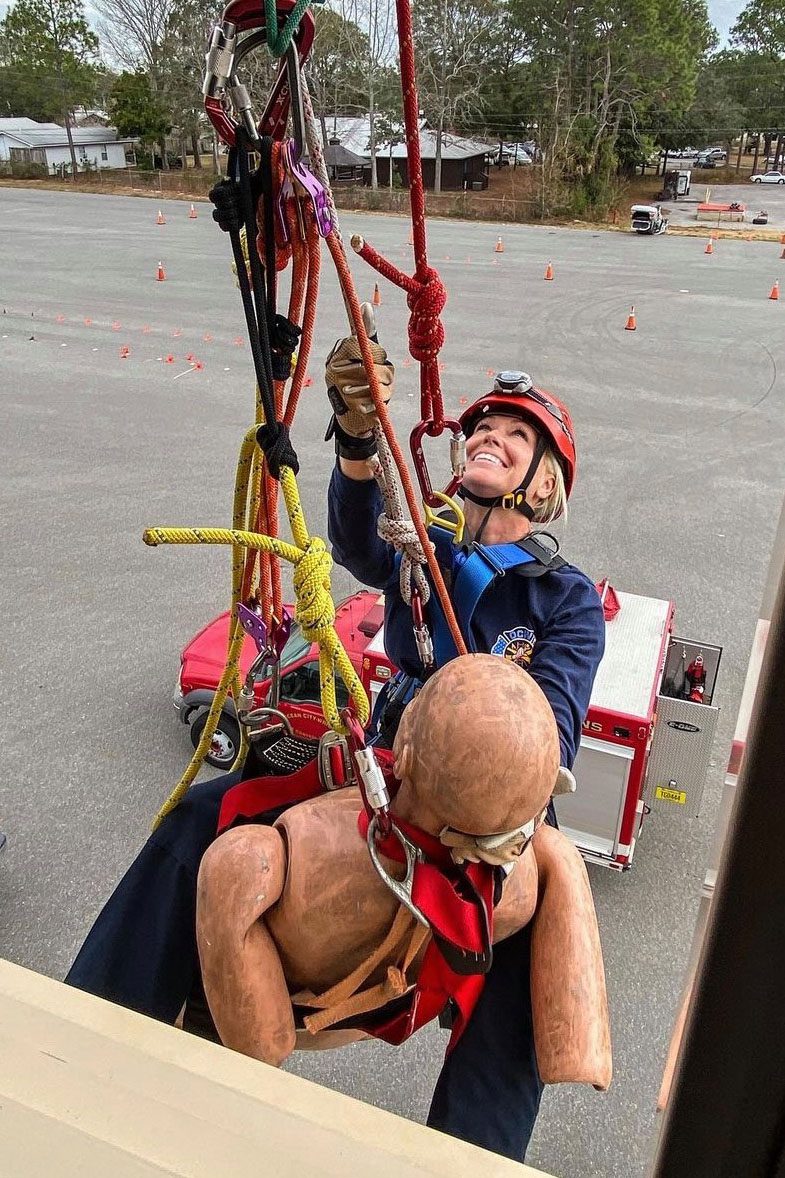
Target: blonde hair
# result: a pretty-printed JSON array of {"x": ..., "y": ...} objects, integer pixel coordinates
[{"x": 556, "y": 504}]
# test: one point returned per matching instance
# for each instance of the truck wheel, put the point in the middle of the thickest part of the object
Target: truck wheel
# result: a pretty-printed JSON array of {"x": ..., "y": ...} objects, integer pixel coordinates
[{"x": 225, "y": 743}]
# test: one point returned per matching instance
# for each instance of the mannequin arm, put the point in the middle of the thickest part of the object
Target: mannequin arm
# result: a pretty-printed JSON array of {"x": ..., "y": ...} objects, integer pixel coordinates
[{"x": 241, "y": 876}]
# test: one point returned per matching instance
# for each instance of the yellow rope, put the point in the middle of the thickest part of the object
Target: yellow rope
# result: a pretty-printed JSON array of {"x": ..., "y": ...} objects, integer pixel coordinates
[{"x": 314, "y": 610}]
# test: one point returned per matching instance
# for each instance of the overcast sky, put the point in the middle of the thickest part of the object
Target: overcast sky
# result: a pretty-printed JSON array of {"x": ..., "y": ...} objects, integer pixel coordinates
[{"x": 722, "y": 12}]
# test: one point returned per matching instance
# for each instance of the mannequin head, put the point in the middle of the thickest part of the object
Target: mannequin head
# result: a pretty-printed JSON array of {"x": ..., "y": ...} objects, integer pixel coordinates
[{"x": 477, "y": 749}]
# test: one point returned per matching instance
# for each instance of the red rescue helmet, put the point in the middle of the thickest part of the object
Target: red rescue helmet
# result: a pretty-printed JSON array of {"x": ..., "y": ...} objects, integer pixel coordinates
[{"x": 514, "y": 394}]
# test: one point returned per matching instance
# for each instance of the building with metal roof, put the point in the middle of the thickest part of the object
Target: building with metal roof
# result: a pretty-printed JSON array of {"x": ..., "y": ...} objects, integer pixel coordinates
[
  {"x": 464, "y": 162},
  {"x": 24, "y": 141}
]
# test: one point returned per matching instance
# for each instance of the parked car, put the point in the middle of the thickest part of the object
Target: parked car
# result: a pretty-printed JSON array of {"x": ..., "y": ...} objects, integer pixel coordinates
[
  {"x": 719, "y": 153},
  {"x": 358, "y": 619},
  {"x": 769, "y": 178},
  {"x": 706, "y": 161}
]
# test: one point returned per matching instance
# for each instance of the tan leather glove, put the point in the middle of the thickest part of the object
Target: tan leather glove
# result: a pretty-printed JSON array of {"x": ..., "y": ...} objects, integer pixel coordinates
[{"x": 347, "y": 380}]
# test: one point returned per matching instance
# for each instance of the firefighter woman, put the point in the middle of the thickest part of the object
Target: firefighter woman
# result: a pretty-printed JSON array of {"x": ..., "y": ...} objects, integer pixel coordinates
[
  {"x": 543, "y": 613},
  {"x": 534, "y": 609}
]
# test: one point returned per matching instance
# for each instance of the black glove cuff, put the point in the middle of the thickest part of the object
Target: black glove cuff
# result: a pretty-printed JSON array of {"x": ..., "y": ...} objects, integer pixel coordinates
[{"x": 347, "y": 445}]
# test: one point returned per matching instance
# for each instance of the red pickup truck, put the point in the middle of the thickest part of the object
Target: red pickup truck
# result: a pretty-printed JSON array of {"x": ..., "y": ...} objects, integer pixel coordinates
[{"x": 358, "y": 621}]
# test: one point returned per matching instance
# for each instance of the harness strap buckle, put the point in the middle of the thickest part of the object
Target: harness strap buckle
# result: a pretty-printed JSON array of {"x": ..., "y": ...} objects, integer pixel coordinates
[
  {"x": 512, "y": 499},
  {"x": 332, "y": 743}
]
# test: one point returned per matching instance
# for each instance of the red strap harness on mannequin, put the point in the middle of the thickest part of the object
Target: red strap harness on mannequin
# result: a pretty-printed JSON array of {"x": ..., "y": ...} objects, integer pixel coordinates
[{"x": 458, "y": 903}]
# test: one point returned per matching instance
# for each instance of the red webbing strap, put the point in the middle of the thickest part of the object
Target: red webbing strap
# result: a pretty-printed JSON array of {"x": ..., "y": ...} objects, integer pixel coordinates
[
  {"x": 249, "y": 799},
  {"x": 452, "y": 918},
  {"x": 436, "y": 986}
]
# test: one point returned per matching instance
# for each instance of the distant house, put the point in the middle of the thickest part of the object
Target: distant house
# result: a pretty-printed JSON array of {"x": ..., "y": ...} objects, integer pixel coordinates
[
  {"x": 464, "y": 162},
  {"x": 352, "y": 132},
  {"x": 25, "y": 141},
  {"x": 343, "y": 164}
]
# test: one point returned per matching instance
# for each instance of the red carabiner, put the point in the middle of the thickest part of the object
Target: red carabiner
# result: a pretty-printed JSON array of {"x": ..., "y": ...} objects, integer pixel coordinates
[
  {"x": 241, "y": 16},
  {"x": 433, "y": 429}
]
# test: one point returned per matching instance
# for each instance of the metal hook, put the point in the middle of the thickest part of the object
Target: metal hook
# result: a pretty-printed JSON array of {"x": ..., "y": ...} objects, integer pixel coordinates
[
  {"x": 435, "y": 429},
  {"x": 400, "y": 888}
]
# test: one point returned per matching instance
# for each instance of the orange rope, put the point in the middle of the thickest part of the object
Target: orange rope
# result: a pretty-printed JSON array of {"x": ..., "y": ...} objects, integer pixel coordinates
[{"x": 350, "y": 294}]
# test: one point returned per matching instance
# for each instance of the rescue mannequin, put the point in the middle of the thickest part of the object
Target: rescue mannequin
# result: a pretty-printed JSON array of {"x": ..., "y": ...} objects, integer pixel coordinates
[{"x": 299, "y": 906}]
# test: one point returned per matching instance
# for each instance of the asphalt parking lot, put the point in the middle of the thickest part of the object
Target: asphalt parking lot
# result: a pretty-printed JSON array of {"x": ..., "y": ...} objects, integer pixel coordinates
[
  {"x": 755, "y": 197},
  {"x": 680, "y": 428}
]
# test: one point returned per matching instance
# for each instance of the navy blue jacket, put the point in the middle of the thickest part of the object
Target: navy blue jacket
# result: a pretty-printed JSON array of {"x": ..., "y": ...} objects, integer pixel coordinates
[{"x": 552, "y": 625}]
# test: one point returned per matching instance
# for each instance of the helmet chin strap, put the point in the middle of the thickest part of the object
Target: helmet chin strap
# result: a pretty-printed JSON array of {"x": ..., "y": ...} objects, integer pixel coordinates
[{"x": 513, "y": 500}]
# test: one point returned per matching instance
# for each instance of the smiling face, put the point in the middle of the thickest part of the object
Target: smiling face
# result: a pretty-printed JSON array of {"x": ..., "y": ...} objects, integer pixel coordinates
[{"x": 498, "y": 455}]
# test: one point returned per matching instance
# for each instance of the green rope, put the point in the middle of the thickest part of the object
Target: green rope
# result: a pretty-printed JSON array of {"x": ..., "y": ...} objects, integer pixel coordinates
[{"x": 278, "y": 41}]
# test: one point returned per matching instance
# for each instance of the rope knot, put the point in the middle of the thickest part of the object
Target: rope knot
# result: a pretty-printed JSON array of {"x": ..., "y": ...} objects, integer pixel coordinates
[
  {"x": 227, "y": 212},
  {"x": 283, "y": 340},
  {"x": 273, "y": 437},
  {"x": 426, "y": 303},
  {"x": 315, "y": 607}
]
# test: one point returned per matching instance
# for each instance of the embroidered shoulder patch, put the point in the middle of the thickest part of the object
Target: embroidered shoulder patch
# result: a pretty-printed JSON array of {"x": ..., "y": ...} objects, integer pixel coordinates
[{"x": 517, "y": 645}]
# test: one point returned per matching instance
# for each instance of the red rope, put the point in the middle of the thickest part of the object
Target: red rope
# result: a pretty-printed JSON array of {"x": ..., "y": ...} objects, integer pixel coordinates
[
  {"x": 426, "y": 296},
  {"x": 425, "y": 299}
]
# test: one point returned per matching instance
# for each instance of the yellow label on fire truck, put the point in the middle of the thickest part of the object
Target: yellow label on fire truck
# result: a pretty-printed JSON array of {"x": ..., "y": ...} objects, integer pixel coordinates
[{"x": 670, "y": 795}]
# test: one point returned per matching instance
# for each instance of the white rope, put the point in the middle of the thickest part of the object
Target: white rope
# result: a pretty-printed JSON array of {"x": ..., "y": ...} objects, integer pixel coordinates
[
  {"x": 395, "y": 527},
  {"x": 318, "y": 163}
]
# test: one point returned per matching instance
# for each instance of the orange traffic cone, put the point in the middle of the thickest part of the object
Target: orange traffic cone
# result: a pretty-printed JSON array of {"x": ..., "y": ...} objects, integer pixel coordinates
[
  {"x": 192, "y": 214},
  {"x": 631, "y": 324},
  {"x": 161, "y": 275},
  {"x": 782, "y": 239},
  {"x": 499, "y": 246},
  {"x": 774, "y": 293},
  {"x": 549, "y": 273},
  {"x": 709, "y": 247},
  {"x": 377, "y": 298},
  {"x": 160, "y": 219}
]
